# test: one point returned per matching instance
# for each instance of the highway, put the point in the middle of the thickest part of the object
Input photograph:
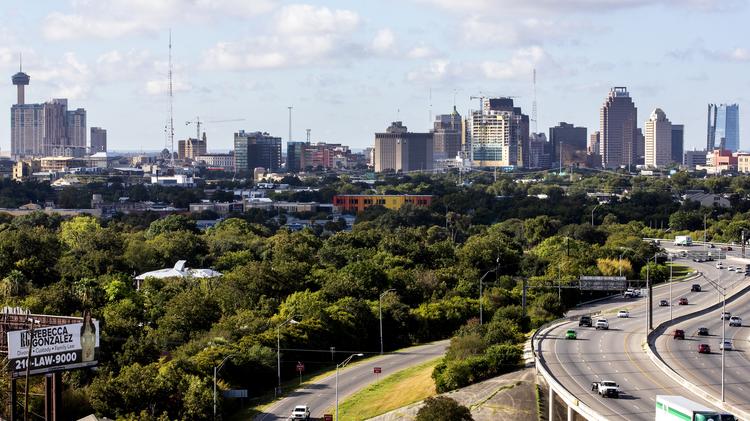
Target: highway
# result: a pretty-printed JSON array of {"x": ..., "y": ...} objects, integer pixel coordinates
[
  {"x": 704, "y": 370},
  {"x": 618, "y": 355},
  {"x": 321, "y": 396}
]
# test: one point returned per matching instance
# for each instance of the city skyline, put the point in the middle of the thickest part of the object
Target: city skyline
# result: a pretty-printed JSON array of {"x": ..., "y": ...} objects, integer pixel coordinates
[{"x": 351, "y": 69}]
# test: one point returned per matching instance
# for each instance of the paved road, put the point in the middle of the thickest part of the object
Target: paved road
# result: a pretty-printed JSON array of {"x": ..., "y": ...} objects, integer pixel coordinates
[
  {"x": 618, "y": 354},
  {"x": 705, "y": 370},
  {"x": 321, "y": 396}
]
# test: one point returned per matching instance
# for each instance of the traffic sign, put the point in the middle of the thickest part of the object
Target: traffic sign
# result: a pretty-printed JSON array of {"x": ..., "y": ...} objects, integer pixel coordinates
[
  {"x": 327, "y": 417},
  {"x": 376, "y": 370},
  {"x": 300, "y": 366}
]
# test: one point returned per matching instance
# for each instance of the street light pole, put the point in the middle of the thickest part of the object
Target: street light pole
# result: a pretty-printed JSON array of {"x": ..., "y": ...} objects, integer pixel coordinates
[
  {"x": 380, "y": 316},
  {"x": 217, "y": 368},
  {"x": 592, "y": 214},
  {"x": 481, "y": 308},
  {"x": 278, "y": 351},
  {"x": 723, "y": 341},
  {"x": 342, "y": 365},
  {"x": 671, "y": 264}
]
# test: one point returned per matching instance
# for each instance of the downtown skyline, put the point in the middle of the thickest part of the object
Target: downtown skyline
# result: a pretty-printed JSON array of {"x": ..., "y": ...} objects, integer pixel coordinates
[{"x": 350, "y": 69}]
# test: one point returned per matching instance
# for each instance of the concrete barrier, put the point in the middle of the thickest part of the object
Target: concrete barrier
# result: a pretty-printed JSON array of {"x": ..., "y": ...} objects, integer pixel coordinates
[{"x": 657, "y": 360}]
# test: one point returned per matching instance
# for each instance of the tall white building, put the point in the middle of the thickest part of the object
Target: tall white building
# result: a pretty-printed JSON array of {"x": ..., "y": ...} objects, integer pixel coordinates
[
  {"x": 497, "y": 133},
  {"x": 658, "y": 140}
]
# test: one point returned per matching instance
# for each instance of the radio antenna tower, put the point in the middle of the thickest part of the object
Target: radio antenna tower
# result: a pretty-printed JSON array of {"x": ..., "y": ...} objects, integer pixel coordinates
[
  {"x": 429, "y": 122},
  {"x": 170, "y": 129},
  {"x": 533, "y": 105}
]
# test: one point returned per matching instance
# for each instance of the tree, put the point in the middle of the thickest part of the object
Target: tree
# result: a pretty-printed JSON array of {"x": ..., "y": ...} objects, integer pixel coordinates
[
  {"x": 171, "y": 223},
  {"x": 441, "y": 408}
]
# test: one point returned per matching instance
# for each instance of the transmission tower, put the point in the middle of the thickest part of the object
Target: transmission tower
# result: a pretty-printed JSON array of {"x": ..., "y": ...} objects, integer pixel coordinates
[
  {"x": 533, "y": 105},
  {"x": 170, "y": 128}
]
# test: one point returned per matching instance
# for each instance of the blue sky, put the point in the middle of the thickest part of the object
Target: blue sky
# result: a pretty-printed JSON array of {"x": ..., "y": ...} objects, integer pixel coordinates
[{"x": 350, "y": 67}]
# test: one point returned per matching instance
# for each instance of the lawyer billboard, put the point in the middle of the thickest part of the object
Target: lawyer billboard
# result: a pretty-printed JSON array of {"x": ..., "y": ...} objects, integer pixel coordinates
[{"x": 54, "y": 348}]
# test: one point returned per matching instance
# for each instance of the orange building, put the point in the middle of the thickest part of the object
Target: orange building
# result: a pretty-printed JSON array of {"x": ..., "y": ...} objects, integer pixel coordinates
[{"x": 359, "y": 202}]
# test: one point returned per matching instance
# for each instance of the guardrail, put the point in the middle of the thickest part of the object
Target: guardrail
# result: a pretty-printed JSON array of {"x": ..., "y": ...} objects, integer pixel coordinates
[
  {"x": 567, "y": 397},
  {"x": 669, "y": 371}
]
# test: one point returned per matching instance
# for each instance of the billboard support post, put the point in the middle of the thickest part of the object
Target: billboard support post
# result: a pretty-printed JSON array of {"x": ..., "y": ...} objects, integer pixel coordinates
[{"x": 28, "y": 369}]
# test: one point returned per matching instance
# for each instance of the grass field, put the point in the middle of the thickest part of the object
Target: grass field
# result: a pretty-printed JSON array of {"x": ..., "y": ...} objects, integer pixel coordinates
[
  {"x": 680, "y": 271},
  {"x": 399, "y": 389}
]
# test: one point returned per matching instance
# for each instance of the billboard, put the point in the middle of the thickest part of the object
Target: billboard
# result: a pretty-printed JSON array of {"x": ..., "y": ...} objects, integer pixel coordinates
[
  {"x": 603, "y": 283},
  {"x": 54, "y": 348}
]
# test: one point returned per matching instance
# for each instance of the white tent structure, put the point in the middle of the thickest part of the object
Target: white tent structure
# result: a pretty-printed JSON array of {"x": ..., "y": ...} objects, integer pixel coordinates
[{"x": 180, "y": 270}]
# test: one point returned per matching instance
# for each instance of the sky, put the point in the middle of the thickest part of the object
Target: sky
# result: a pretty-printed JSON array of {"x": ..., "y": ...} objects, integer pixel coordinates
[{"x": 349, "y": 68}]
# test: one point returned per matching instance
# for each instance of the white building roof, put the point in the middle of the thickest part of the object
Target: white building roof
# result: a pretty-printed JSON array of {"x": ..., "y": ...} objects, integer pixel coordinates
[{"x": 179, "y": 271}]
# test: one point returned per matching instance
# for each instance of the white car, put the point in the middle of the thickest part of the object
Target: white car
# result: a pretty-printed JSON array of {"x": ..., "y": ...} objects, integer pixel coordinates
[
  {"x": 719, "y": 266},
  {"x": 623, "y": 314},
  {"x": 730, "y": 268},
  {"x": 726, "y": 345},
  {"x": 726, "y": 315},
  {"x": 300, "y": 412},
  {"x": 735, "y": 321},
  {"x": 601, "y": 324}
]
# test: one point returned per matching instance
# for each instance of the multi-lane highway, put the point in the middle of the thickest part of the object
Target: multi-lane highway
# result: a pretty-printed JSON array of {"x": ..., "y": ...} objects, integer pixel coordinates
[
  {"x": 618, "y": 354},
  {"x": 321, "y": 396},
  {"x": 704, "y": 370}
]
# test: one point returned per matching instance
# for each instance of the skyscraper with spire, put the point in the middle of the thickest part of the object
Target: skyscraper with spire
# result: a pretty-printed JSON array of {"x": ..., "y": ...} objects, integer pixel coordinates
[{"x": 47, "y": 129}]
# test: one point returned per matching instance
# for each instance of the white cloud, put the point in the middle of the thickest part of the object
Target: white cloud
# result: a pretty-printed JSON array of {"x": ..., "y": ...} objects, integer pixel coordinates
[
  {"x": 161, "y": 87},
  {"x": 384, "y": 41},
  {"x": 300, "y": 35},
  {"x": 118, "y": 18},
  {"x": 420, "y": 52},
  {"x": 740, "y": 54},
  {"x": 506, "y": 7},
  {"x": 70, "y": 79},
  {"x": 517, "y": 67}
]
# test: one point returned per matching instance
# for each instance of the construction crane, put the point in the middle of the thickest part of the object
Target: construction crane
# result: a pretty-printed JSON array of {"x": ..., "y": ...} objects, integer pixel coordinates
[{"x": 198, "y": 123}]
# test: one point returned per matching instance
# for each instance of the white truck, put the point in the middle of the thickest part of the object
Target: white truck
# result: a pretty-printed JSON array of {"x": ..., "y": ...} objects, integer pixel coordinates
[
  {"x": 606, "y": 388},
  {"x": 300, "y": 412},
  {"x": 673, "y": 408},
  {"x": 683, "y": 240}
]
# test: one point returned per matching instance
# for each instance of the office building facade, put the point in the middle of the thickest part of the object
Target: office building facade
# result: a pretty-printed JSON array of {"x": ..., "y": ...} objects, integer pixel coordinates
[
  {"x": 190, "y": 148},
  {"x": 568, "y": 143},
  {"x": 256, "y": 150},
  {"x": 723, "y": 127},
  {"x": 694, "y": 158},
  {"x": 397, "y": 149},
  {"x": 498, "y": 134},
  {"x": 678, "y": 142},
  {"x": 98, "y": 140},
  {"x": 618, "y": 127},
  {"x": 658, "y": 140},
  {"x": 446, "y": 135}
]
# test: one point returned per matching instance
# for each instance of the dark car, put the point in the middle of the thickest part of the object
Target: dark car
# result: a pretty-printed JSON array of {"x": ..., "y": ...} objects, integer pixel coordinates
[
  {"x": 663, "y": 303},
  {"x": 585, "y": 321},
  {"x": 704, "y": 349},
  {"x": 679, "y": 334},
  {"x": 703, "y": 331},
  {"x": 695, "y": 288},
  {"x": 683, "y": 301}
]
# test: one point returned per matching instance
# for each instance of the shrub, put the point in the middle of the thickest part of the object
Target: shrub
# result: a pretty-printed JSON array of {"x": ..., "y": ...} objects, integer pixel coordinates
[{"x": 441, "y": 408}]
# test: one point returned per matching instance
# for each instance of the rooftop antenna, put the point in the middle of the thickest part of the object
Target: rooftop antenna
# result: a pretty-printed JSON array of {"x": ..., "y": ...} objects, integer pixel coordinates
[
  {"x": 170, "y": 133},
  {"x": 20, "y": 62},
  {"x": 289, "y": 139},
  {"x": 533, "y": 106},
  {"x": 430, "y": 108}
]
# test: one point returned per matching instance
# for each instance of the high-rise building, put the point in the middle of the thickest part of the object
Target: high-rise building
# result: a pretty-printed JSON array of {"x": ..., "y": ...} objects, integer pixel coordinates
[
  {"x": 446, "y": 135},
  {"x": 294, "y": 156},
  {"x": 618, "y": 121},
  {"x": 498, "y": 134},
  {"x": 678, "y": 142},
  {"x": 190, "y": 148},
  {"x": 256, "y": 150},
  {"x": 570, "y": 140},
  {"x": 539, "y": 151},
  {"x": 98, "y": 140},
  {"x": 658, "y": 142},
  {"x": 47, "y": 129},
  {"x": 694, "y": 158},
  {"x": 723, "y": 131},
  {"x": 400, "y": 150}
]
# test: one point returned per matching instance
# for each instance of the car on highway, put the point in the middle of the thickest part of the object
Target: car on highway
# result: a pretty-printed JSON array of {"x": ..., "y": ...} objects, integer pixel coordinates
[
  {"x": 695, "y": 288},
  {"x": 735, "y": 321},
  {"x": 623, "y": 314},
  {"x": 730, "y": 268},
  {"x": 704, "y": 349},
  {"x": 683, "y": 301},
  {"x": 663, "y": 303},
  {"x": 300, "y": 412},
  {"x": 679, "y": 334},
  {"x": 719, "y": 266},
  {"x": 726, "y": 315},
  {"x": 711, "y": 246},
  {"x": 570, "y": 334},
  {"x": 727, "y": 248},
  {"x": 606, "y": 388},
  {"x": 702, "y": 331},
  {"x": 726, "y": 345},
  {"x": 585, "y": 321},
  {"x": 602, "y": 324}
]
